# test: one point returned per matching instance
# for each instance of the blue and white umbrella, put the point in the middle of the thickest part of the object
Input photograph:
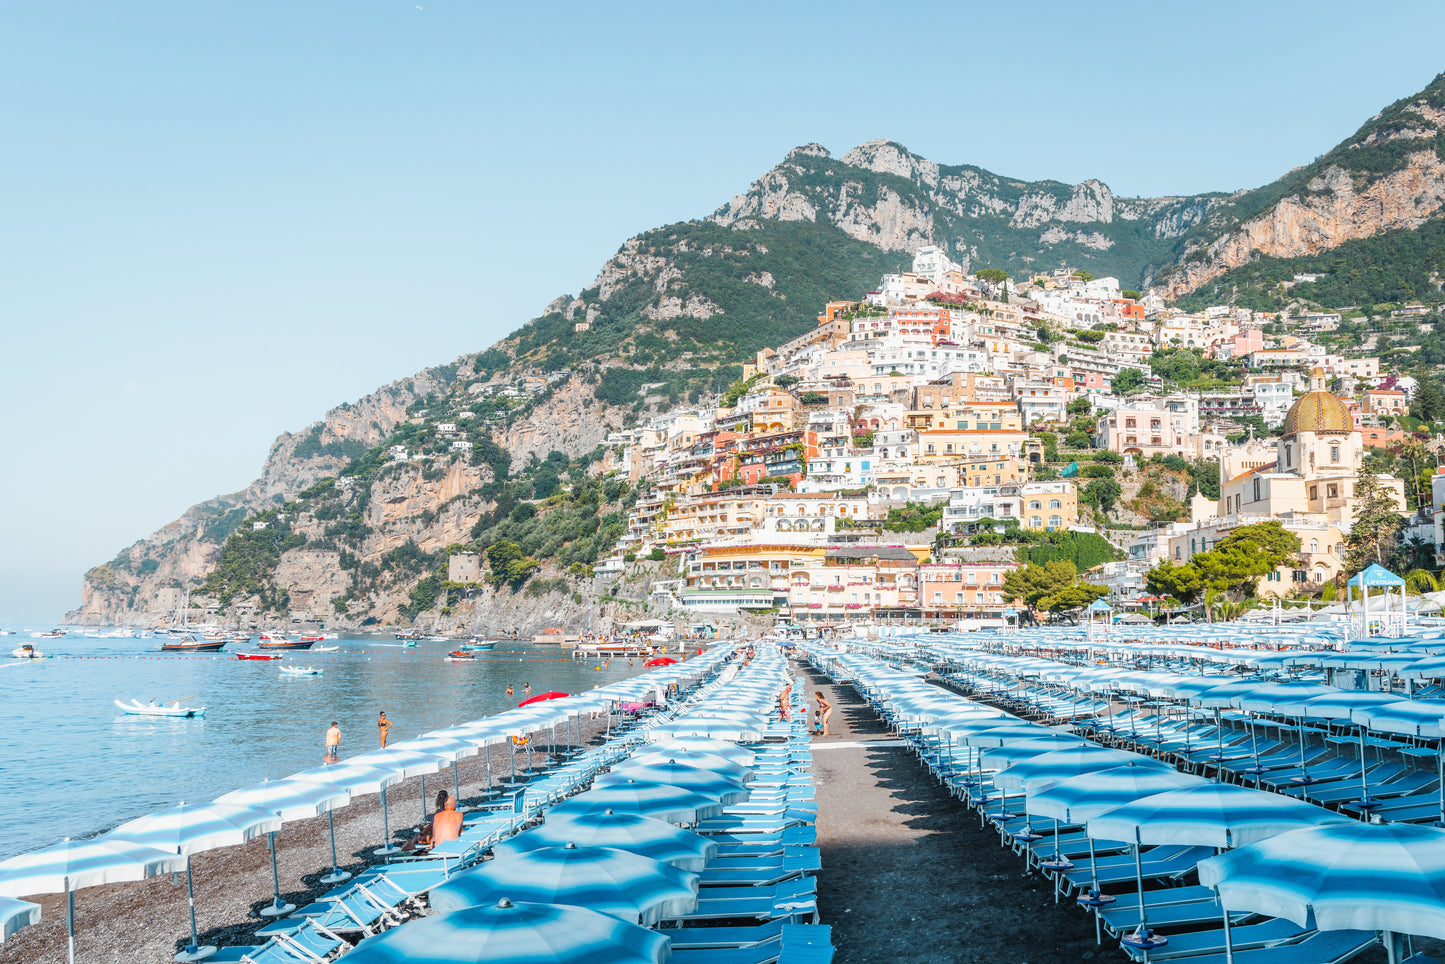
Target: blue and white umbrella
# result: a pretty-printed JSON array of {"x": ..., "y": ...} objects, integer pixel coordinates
[
  {"x": 515, "y": 933},
  {"x": 15, "y": 914},
  {"x": 693, "y": 758},
  {"x": 1353, "y": 876},
  {"x": 290, "y": 800},
  {"x": 632, "y": 832},
  {"x": 1219, "y": 815},
  {"x": 673, "y": 804},
  {"x": 636, "y": 889},
  {"x": 702, "y": 744},
  {"x": 722, "y": 787},
  {"x": 188, "y": 830},
  {"x": 1046, "y": 769},
  {"x": 72, "y": 865},
  {"x": 404, "y": 763},
  {"x": 357, "y": 780}
]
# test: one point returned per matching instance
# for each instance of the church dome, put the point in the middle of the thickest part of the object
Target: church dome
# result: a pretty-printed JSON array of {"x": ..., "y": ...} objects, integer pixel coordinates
[{"x": 1318, "y": 412}]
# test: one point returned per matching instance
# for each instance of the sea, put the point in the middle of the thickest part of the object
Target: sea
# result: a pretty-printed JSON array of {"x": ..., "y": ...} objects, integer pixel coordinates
[{"x": 74, "y": 765}]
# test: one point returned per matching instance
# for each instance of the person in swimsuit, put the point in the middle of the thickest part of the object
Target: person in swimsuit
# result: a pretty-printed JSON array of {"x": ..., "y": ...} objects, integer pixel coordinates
[
  {"x": 825, "y": 708},
  {"x": 785, "y": 703},
  {"x": 383, "y": 725},
  {"x": 510, "y": 692},
  {"x": 446, "y": 824}
]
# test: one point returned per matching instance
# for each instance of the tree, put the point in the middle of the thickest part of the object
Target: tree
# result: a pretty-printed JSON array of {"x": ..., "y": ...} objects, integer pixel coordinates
[
  {"x": 1126, "y": 381},
  {"x": 1052, "y": 586},
  {"x": 991, "y": 275},
  {"x": 1233, "y": 567},
  {"x": 1130, "y": 293},
  {"x": 1102, "y": 493},
  {"x": 1376, "y": 530},
  {"x": 1082, "y": 275}
]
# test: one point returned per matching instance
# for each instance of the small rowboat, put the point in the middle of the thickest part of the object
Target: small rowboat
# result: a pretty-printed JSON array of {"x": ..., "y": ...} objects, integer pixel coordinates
[
  {"x": 300, "y": 671},
  {"x": 324, "y": 649},
  {"x": 258, "y": 656},
  {"x": 156, "y": 708}
]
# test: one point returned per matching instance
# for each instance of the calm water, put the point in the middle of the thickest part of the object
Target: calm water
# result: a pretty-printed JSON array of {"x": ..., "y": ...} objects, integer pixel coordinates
[{"x": 73, "y": 764}]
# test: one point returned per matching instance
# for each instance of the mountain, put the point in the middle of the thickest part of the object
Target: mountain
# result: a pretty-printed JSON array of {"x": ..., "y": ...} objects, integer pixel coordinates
[
  {"x": 1367, "y": 214},
  {"x": 670, "y": 318}
]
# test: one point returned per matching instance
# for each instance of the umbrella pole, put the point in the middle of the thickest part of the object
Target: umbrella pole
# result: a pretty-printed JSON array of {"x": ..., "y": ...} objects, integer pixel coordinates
[
  {"x": 1228, "y": 938},
  {"x": 387, "y": 848},
  {"x": 456, "y": 783},
  {"x": 70, "y": 921},
  {"x": 278, "y": 908},
  {"x": 191, "y": 904},
  {"x": 422, "y": 785},
  {"x": 337, "y": 875},
  {"x": 1365, "y": 802}
]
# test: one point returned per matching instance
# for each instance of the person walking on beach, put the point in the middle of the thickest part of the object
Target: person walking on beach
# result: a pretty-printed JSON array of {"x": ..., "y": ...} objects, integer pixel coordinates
[
  {"x": 333, "y": 743},
  {"x": 784, "y": 701},
  {"x": 384, "y": 724},
  {"x": 825, "y": 708}
]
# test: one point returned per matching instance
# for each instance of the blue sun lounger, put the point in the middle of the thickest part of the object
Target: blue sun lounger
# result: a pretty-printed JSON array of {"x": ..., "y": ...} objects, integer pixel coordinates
[
  {"x": 792, "y": 899},
  {"x": 307, "y": 944},
  {"x": 1244, "y": 938},
  {"x": 1321, "y": 947}
]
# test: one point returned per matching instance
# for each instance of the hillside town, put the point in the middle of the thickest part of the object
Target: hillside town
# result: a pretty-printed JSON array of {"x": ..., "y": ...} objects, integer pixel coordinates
[{"x": 886, "y": 466}]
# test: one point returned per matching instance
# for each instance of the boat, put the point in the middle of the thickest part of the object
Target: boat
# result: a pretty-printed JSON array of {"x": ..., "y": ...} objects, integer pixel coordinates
[
  {"x": 157, "y": 708},
  {"x": 53, "y": 634},
  {"x": 192, "y": 645},
  {"x": 475, "y": 645},
  {"x": 258, "y": 656},
  {"x": 281, "y": 642},
  {"x": 324, "y": 649},
  {"x": 461, "y": 656},
  {"x": 311, "y": 639},
  {"x": 405, "y": 634},
  {"x": 27, "y": 651},
  {"x": 300, "y": 671}
]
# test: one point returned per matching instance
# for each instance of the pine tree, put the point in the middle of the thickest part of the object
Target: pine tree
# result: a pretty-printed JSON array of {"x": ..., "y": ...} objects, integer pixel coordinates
[{"x": 1376, "y": 530}]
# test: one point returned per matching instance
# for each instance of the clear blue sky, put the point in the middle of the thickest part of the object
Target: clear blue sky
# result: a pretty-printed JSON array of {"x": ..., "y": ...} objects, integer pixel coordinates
[{"x": 220, "y": 219}]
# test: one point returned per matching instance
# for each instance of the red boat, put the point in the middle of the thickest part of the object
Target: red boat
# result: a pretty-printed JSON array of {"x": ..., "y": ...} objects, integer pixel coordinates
[{"x": 258, "y": 655}]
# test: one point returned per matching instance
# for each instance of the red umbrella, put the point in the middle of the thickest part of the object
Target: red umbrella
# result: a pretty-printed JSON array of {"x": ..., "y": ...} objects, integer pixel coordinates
[
  {"x": 660, "y": 661},
  {"x": 542, "y": 696}
]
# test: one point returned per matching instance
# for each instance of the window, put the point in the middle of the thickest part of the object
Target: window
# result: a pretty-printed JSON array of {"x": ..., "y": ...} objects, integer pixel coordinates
[
  {"x": 1314, "y": 492},
  {"x": 1035, "y": 522},
  {"x": 1314, "y": 545},
  {"x": 1055, "y": 504},
  {"x": 1256, "y": 485},
  {"x": 1036, "y": 504},
  {"x": 1332, "y": 491},
  {"x": 1334, "y": 453},
  {"x": 1055, "y": 522}
]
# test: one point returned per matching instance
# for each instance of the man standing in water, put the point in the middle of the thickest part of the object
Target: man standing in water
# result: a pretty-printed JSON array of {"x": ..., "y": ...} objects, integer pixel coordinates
[
  {"x": 383, "y": 724},
  {"x": 333, "y": 743}
]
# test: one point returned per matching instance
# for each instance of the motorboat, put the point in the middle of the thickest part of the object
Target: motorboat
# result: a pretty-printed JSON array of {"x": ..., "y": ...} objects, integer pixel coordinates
[
  {"x": 300, "y": 671},
  {"x": 26, "y": 651},
  {"x": 193, "y": 645},
  {"x": 324, "y": 649},
  {"x": 478, "y": 645},
  {"x": 267, "y": 656},
  {"x": 281, "y": 642},
  {"x": 157, "y": 708},
  {"x": 53, "y": 634},
  {"x": 461, "y": 656}
]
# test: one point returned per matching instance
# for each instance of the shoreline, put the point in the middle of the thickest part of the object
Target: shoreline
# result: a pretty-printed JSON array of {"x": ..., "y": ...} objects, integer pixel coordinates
[{"x": 146, "y": 920}]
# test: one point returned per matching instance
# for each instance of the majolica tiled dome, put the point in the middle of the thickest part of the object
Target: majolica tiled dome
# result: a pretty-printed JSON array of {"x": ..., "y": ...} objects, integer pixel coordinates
[{"x": 1318, "y": 412}]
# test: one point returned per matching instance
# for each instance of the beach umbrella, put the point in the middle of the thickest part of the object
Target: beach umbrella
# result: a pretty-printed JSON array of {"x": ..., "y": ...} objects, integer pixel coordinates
[
  {"x": 632, "y": 832},
  {"x": 703, "y": 744},
  {"x": 188, "y": 830},
  {"x": 733, "y": 730},
  {"x": 290, "y": 800},
  {"x": 449, "y": 748},
  {"x": 636, "y": 889},
  {"x": 722, "y": 787},
  {"x": 660, "y": 661},
  {"x": 356, "y": 780},
  {"x": 15, "y": 914},
  {"x": 686, "y": 757},
  {"x": 404, "y": 763},
  {"x": 1352, "y": 876},
  {"x": 1046, "y": 769},
  {"x": 1219, "y": 815},
  {"x": 672, "y": 804},
  {"x": 542, "y": 698},
  {"x": 72, "y": 865},
  {"x": 520, "y": 933}
]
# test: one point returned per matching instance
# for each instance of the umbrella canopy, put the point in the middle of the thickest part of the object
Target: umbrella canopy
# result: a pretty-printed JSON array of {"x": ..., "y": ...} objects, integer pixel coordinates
[
  {"x": 631, "y": 832},
  {"x": 77, "y": 864},
  {"x": 190, "y": 829},
  {"x": 521, "y": 933},
  {"x": 693, "y": 758},
  {"x": 405, "y": 763},
  {"x": 636, "y": 889},
  {"x": 660, "y": 661},
  {"x": 289, "y": 799},
  {"x": 703, "y": 744},
  {"x": 1007, "y": 754},
  {"x": 355, "y": 778},
  {"x": 542, "y": 698},
  {"x": 1212, "y": 815},
  {"x": 1088, "y": 795},
  {"x": 1338, "y": 706},
  {"x": 15, "y": 914},
  {"x": 722, "y": 787},
  {"x": 1046, "y": 769},
  {"x": 672, "y": 804},
  {"x": 1354, "y": 876},
  {"x": 1421, "y": 718}
]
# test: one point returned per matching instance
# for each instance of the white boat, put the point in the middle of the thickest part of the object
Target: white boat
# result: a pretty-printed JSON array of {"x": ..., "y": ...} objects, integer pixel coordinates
[
  {"x": 156, "y": 708},
  {"x": 300, "y": 671},
  {"x": 28, "y": 652},
  {"x": 324, "y": 649}
]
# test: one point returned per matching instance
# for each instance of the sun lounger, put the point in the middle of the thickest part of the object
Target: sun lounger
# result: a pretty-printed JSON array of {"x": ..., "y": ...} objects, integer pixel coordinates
[
  {"x": 774, "y": 871},
  {"x": 701, "y": 938},
  {"x": 1167, "y": 867},
  {"x": 1176, "y": 906},
  {"x": 1321, "y": 947},
  {"x": 757, "y": 843},
  {"x": 358, "y": 911},
  {"x": 1250, "y": 936},
  {"x": 308, "y": 944},
  {"x": 807, "y": 944},
  {"x": 792, "y": 899}
]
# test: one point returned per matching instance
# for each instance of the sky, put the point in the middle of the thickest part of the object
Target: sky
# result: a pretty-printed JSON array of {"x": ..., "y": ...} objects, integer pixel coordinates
[{"x": 218, "y": 220}]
